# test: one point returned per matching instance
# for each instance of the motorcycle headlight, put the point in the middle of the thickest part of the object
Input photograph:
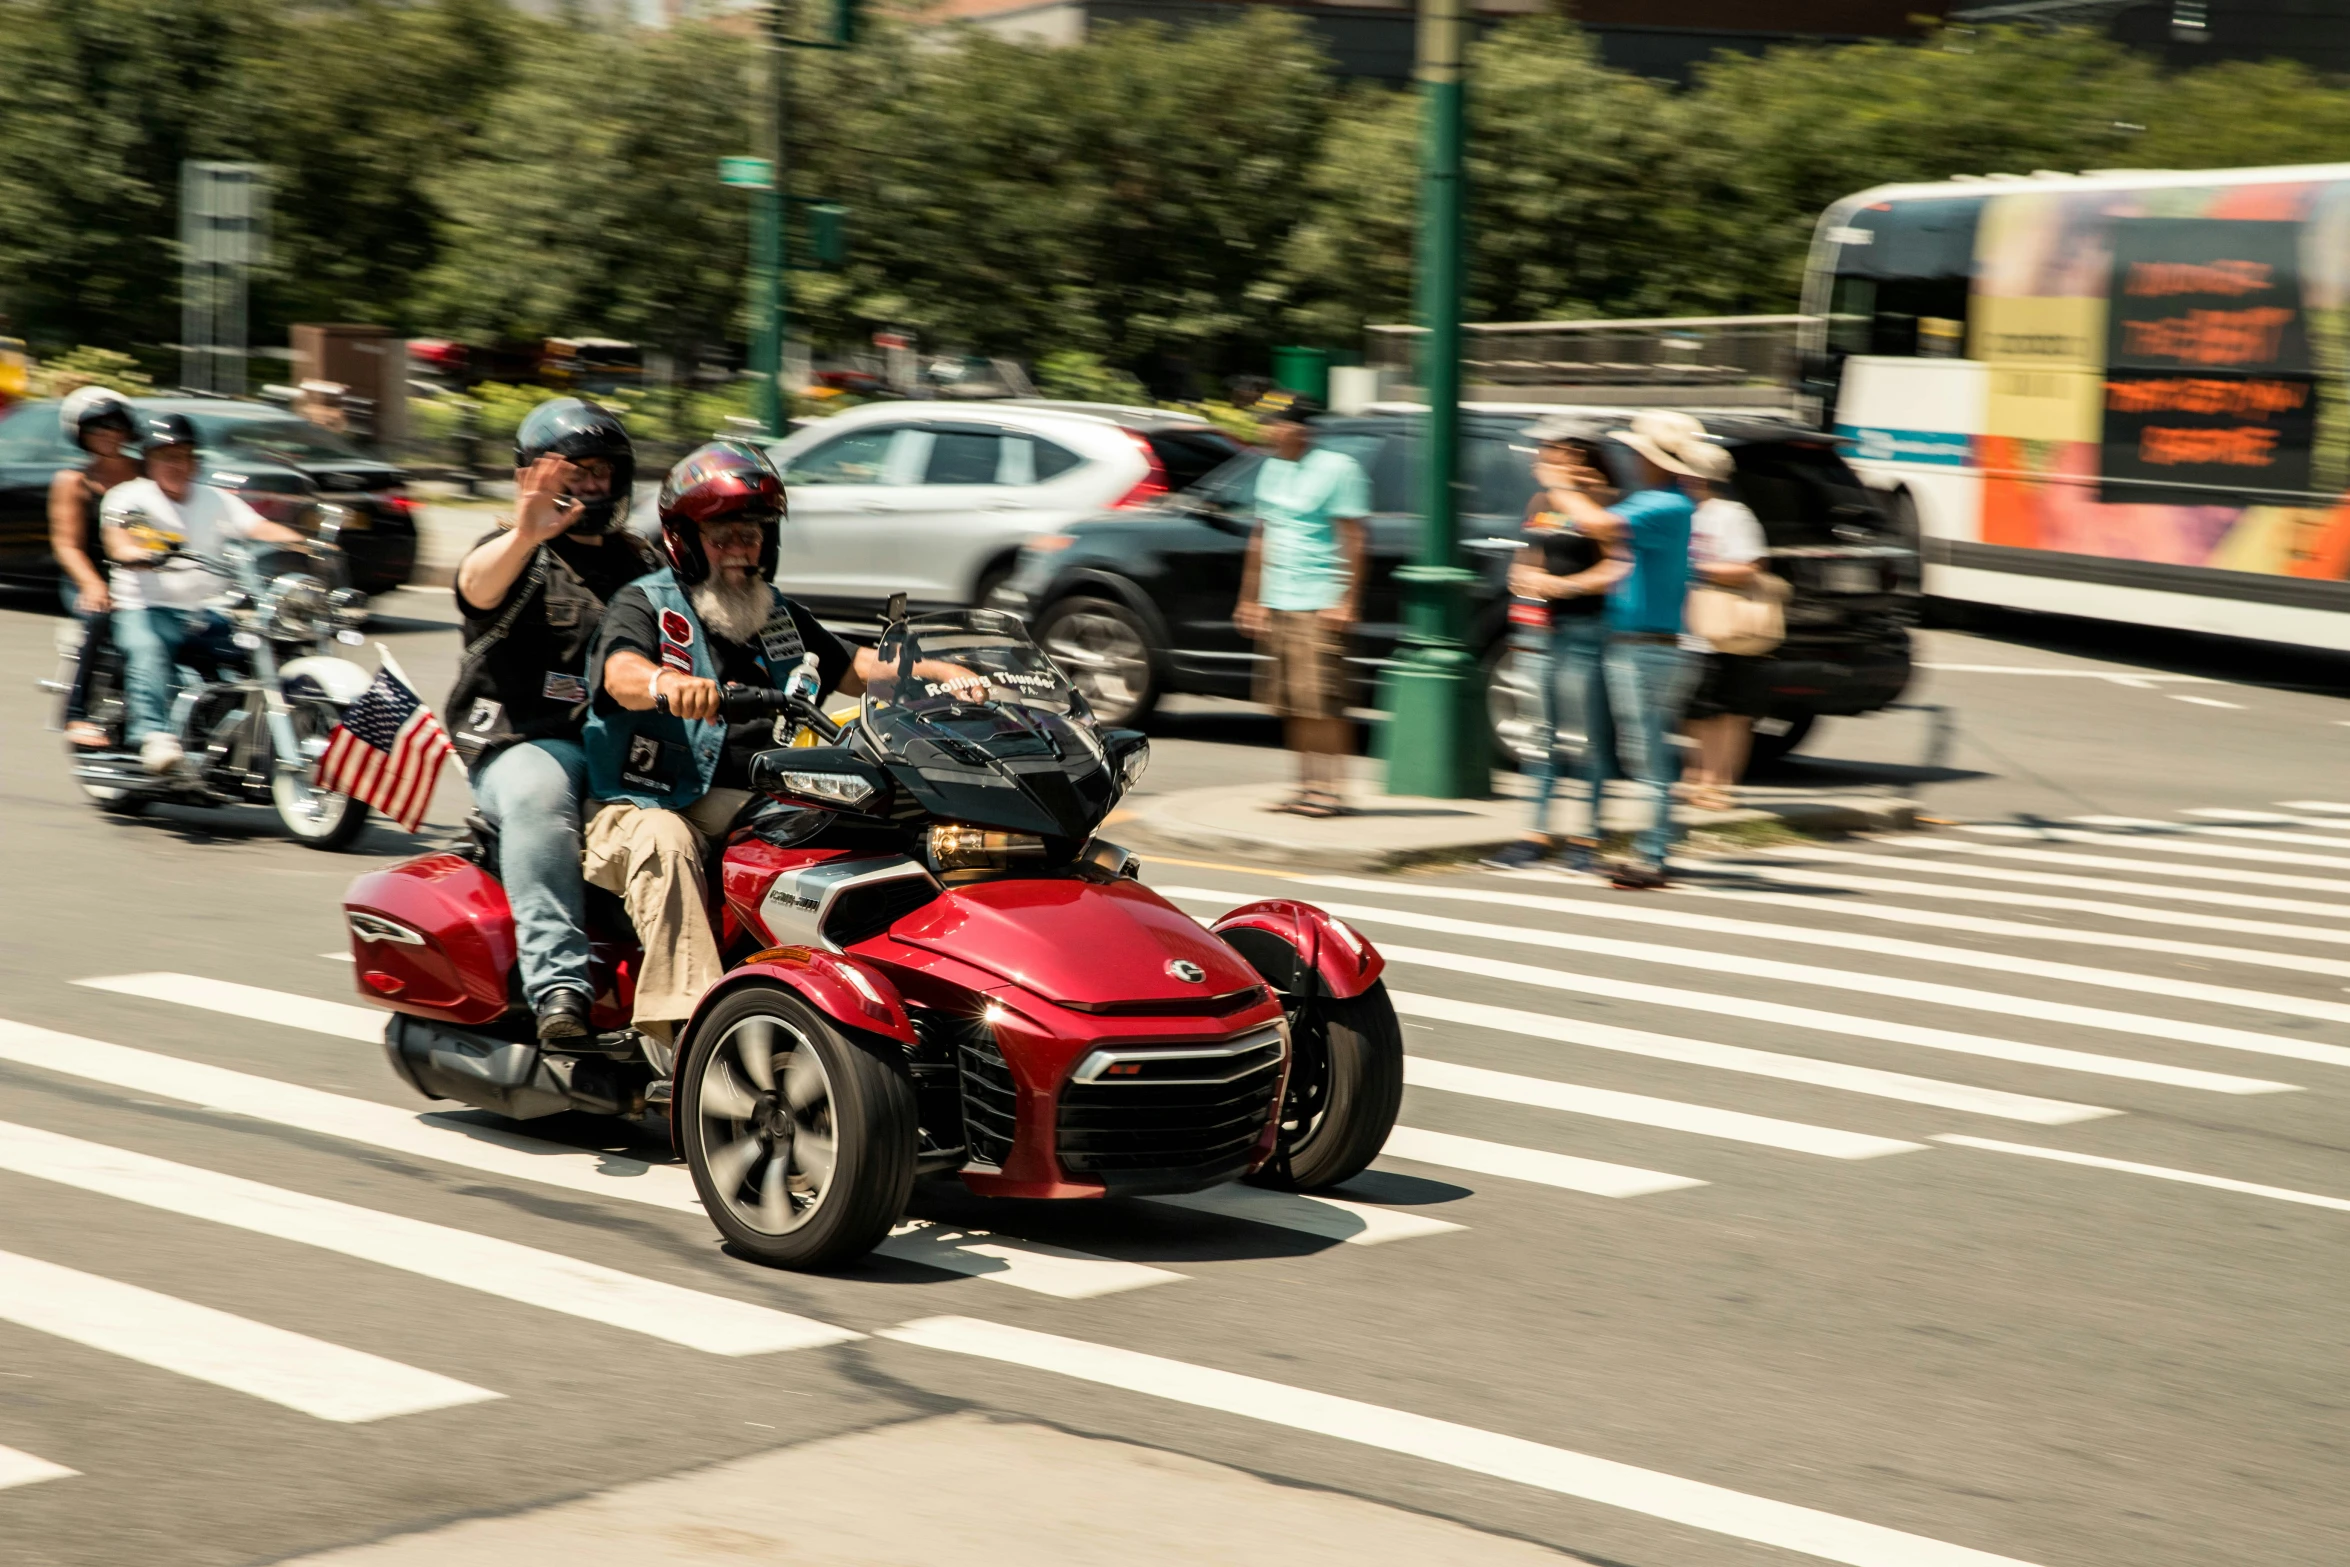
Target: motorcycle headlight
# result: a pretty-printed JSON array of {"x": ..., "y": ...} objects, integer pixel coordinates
[
  {"x": 298, "y": 607},
  {"x": 955, "y": 847},
  {"x": 348, "y": 608}
]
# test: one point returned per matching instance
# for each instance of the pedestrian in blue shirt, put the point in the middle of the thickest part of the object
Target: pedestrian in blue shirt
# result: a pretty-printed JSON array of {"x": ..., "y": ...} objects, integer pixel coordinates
[
  {"x": 1301, "y": 593},
  {"x": 1647, "y": 674}
]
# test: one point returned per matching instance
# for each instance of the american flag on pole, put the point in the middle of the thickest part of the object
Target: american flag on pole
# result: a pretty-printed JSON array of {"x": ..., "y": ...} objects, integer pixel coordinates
[{"x": 388, "y": 749}]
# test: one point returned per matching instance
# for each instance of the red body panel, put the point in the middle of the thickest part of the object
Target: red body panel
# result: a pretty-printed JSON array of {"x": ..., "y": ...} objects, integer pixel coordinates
[
  {"x": 750, "y": 868},
  {"x": 1347, "y": 964},
  {"x": 824, "y": 980},
  {"x": 1075, "y": 940},
  {"x": 458, "y": 972}
]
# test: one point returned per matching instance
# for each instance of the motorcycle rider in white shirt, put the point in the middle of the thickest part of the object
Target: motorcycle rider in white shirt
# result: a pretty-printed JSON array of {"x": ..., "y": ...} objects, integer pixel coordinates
[{"x": 163, "y": 535}]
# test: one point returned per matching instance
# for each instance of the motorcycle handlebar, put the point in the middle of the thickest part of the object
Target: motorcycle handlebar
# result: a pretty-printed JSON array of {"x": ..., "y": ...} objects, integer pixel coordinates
[{"x": 739, "y": 704}]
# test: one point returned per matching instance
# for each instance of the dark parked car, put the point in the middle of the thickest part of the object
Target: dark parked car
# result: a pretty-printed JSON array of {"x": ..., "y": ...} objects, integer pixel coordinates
[
  {"x": 278, "y": 464},
  {"x": 1138, "y": 604}
]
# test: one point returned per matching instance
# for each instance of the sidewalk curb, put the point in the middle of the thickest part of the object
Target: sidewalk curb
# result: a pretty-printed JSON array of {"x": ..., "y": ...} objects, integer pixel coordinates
[{"x": 1163, "y": 826}]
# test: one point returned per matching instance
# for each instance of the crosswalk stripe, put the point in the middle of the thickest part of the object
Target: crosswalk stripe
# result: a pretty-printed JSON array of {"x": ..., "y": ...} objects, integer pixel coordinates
[
  {"x": 2008, "y": 897},
  {"x": 2313, "y": 805},
  {"x": 300, "y": 1373},
  {"x": 1690, "y": 1503},
  {"x": 2159, "y": 1172},
  {"x": 469, "y": 1144},
  {"x": 1927, "y": 952},
  {"x": 2139, "y": 1024},
  {"x": 1836, "y": 1022},
  {"x": 2175, "y": 869},
  {"x": 690, "y": 1317},
  {"x": 252, "y": 1002},
  {"x": 1331, "y": 1218},
  {"x": 24, "y": 1469},
  {"x": 2153, "y": 826},
  {"x": 1673, "y": 1115},
  {"x": 2222, "y": 813},
  {"x": 1595, "y": 1177},
  {"x": 2200, "y": 896},
  {"x": 2167, "y": 846},
  {"x": 1759, "y": 1063}
]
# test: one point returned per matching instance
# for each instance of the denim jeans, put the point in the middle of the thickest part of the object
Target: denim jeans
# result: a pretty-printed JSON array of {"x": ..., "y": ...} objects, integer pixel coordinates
[
  {"x": 152, "y": 641},
  {"x": 532, "y": 793},
  {"x": 1564, "y": 670},
  {"x": 1648, "y": 683}
]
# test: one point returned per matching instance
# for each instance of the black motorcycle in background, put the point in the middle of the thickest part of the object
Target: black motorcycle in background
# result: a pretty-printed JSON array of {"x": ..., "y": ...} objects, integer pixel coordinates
[{"x": 252, "y": 728}]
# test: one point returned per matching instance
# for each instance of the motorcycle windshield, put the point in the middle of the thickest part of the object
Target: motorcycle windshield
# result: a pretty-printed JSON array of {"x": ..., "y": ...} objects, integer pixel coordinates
[{"x": 981, "y": 726}]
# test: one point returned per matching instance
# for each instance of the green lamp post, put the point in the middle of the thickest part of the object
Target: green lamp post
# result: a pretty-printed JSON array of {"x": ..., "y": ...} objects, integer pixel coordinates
[{"x": 1435, "y": 739}]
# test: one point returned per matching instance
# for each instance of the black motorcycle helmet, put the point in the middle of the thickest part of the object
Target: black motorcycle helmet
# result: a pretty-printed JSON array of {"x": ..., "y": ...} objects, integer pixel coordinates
[
  {"x": 721, "y": 481},
  {"x": 158, "y": 430},
  {"x": 576, "y": 429},
  {"x": 96, "y": 408}
]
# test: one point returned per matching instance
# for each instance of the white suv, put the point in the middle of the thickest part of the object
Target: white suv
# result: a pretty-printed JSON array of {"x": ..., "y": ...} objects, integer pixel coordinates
[{"x": 933, "y": 499}]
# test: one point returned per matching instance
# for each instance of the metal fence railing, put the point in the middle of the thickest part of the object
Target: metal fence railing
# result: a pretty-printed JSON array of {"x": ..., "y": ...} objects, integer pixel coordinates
[{"x": 1684, "y": 351}]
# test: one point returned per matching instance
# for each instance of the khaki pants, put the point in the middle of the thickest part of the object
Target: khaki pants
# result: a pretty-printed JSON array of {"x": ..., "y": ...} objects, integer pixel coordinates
[{"x": 653, "y": 860}]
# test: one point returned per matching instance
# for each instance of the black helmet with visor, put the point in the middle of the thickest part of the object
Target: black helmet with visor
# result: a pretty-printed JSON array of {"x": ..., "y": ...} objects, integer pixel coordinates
[{"x": 577, "y": 430}]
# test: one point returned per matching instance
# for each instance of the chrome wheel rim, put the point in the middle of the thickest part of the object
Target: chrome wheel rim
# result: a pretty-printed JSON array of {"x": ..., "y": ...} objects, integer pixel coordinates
[
  {"x": 308, "y": 812},
  {"x": 1104, "y": 658},
  {"x": 763, "y": 1114},
  {"x": 1513, "y": 706}
]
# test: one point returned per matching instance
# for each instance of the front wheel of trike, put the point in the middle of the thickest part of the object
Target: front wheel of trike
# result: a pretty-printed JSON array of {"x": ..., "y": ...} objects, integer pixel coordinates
[
  {"x": 1345, "y": 1087},
  {"x": 800, "y": 1140}
]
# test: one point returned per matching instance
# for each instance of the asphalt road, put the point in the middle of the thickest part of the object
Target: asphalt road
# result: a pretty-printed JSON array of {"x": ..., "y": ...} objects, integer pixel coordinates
[{"x": 1726, "y": 1228}]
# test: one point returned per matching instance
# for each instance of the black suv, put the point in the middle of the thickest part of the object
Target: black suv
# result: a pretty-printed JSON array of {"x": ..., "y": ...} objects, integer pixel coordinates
[
  {"x": 276, "y": 463},
  {"x": 1139, "y": 604}
]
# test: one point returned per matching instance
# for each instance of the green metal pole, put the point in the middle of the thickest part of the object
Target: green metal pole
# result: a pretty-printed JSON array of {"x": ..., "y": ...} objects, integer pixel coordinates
[
  {"x": 1435, "y": 738},
  {"x": 770, "y": 282}
]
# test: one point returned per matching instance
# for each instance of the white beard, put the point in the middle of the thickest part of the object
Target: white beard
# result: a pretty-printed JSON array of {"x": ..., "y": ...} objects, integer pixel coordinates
[{"x": 733, "y": 607}]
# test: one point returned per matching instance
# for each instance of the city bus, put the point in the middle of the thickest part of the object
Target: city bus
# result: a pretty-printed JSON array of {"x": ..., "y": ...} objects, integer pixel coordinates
[{"x": 2121, "y": 394}]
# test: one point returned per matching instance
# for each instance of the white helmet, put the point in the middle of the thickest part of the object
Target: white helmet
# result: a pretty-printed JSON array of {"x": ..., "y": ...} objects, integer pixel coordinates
[{"x": 91, "y": 408}]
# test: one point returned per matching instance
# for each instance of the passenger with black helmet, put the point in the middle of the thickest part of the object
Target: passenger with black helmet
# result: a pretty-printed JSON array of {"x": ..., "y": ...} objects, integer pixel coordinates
[
  {"x": 99, "y": 422},
  {"x": 163, "y": 534},
  {"x": 671, "y": 773},
  {"x": 532, "y": 595}
]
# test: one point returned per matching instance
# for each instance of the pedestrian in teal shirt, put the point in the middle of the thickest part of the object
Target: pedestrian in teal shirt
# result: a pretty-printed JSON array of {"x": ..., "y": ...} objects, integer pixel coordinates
[{"x": 1301, "y": 594}]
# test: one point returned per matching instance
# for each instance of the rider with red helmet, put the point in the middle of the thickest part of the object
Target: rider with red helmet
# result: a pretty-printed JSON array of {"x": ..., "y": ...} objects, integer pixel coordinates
[{"x": 673, "y": 773}]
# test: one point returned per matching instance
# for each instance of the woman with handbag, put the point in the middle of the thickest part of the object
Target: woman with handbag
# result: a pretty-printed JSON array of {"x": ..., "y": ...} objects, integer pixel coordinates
[{"x": 1734, "y": 620}]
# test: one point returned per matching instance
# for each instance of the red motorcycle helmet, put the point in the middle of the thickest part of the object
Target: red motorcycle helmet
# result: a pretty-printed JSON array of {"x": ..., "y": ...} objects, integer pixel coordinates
[{"x": 722, "y": 481}]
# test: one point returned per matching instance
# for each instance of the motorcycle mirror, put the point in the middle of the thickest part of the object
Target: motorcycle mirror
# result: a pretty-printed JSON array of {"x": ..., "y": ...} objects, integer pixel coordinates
[{"x": 895, "y": 610}]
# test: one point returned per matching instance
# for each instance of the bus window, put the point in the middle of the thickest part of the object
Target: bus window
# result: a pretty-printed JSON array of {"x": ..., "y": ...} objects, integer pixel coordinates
[{"x": 1902, "y": 290}]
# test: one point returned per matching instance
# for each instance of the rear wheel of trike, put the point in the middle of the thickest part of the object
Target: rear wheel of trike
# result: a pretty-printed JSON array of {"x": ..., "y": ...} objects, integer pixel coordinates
[
  {"x": 800, "y": 1140},
  {"x": 1345, "y": 1086}
]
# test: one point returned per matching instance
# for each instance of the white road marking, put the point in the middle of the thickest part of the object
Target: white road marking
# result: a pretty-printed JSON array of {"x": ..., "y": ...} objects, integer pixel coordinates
[
  {"x": 2165, "y": 846},
  {"x": 2159, "y": 1172},
  {"x": 24, "y": 1469},
  {"x": 468, "y": 1144},
  {"x": 1593, "y": 1176},
  {"x": 2314, "y": 805},
  {"x": 1690, "y": 1503},
  {"x": 690, "y": 1317},
  {"x": 339, "y": 1018},
  {"x": 1759, "y": 1063},
  {"x": 2136, "y": 827},
  {"x": 1671, "y": 1114},
  {"x": 2201, "y": 896},
  {"x": 1621, "y": 912},
  {"x": 338, "y": 957},
  {"x": 2009, "y": 897},
  {"x": 2222, "y": 813},
  {"x": 2123, "y": 677},
  {"x": 1838, "y": 1023},
  {"x": 2139, "y": 1024},
  {"x": 1331, "y": 1218},
  {"x": 2203, "y": 701},
  {"x": 1028, "y": 1265},
  {"x": 305, "y": 1374}
]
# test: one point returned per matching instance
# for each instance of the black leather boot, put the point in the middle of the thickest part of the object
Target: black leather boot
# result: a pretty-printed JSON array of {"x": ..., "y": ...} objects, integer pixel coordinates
[{"x": 563, "y": 1016}]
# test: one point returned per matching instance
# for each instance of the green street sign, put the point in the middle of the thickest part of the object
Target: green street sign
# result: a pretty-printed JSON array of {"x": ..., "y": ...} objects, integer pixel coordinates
[{"x": 747, "y": 173}]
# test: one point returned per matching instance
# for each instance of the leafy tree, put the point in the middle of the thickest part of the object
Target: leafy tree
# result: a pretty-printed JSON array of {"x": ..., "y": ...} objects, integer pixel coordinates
[
  {"x": 366, "y": 100},
  {"x": 2244, "y": 115},
  {"x": 100, "y": 100},
  {"x": 1127, "y": 198},
  {"x": 590, "y": 202}
]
